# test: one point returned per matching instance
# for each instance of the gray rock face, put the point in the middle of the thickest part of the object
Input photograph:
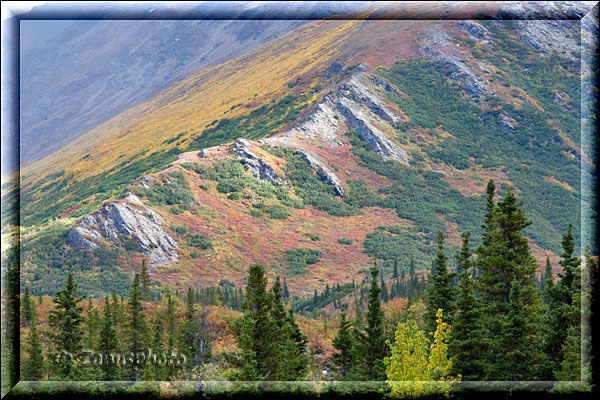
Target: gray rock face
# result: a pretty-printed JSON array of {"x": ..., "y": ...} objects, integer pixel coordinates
[
  {"x": 255, "y": 164},
  {"x": 458, "y": 72},
  {"x": 563, "y": 99},
  {"x": 321, "y": 125},
  {"x": 385, "y": 85},
  {"x": 359, "y": 105},
  {"x": 474, "y": 29},
  {"x": 128, "y": 218},
  {"x": 322, "y": 170},
  {"x": 334, "y": 70},
  {"x": 547, "y": 36},
  {"x": 506, "y": 122}
]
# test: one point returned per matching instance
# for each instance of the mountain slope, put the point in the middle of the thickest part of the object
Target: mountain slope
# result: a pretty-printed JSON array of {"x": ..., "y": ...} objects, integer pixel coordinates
[
  {"x": 381, "y": 133},
  {"x": 76, "y": 74}
]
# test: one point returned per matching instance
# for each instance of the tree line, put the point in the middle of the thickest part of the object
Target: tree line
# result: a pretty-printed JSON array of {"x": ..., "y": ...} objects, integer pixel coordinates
[{"x": 487, "y": 320}]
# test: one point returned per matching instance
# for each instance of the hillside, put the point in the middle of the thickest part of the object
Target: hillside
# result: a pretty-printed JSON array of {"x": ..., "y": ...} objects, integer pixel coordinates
[
  {"x": 361, "y": 139},
  {"x": 80, "y": 72}
]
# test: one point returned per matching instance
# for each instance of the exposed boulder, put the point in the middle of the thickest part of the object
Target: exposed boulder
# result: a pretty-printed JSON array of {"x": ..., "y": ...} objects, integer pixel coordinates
[
  {"x": 255, "y": 164},
  {"x": 322, "y": 170},
  {"x": 563, "y": 99},
  {"x": 474, "y": 29},
  {"x": 128, "y": 217},
  {"x": 388, "y": 87},
  {"x": 334, "y": 70},
  {"x": 506, "y": 122}
]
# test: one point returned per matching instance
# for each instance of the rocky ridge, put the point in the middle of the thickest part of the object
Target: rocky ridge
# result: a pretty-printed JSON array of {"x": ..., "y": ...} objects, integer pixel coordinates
[
  {"x": 255, "y": 164},
  {"x": 129, "y": 218}
]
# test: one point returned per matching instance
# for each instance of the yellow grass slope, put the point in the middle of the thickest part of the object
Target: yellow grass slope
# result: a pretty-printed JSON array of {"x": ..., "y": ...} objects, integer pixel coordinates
[{"x": 199, "y": 99}]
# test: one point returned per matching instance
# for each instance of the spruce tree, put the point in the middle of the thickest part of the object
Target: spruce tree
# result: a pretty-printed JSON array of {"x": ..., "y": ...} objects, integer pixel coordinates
[
  {"x": 503, "y": 257},
  {"x": 343, "y": 344},
  {"x": 375, "y": 349},
  {"x": 195, "y": 341},
  {"x": 27, "y": 308},
  {"x": 156, "y": 367},
  {"x": 92, "y": 325},
  {"x": 548, "y": 281},
  {"x": 66, "y": 331},
  {"x": 172, "y": 368},
  {"x": 564, "y": 306},
  {"x": 288, "y": 362},
  {"x": 108, "y": 345},
  {"x": 260, "y": 342},
  {"x": 145, "y": 281},
  {"x": 138, "y": 330},
  {"x": 286, "y": 292},
  {"x": 441, "y": 294},
  {"x": 518, "y": 340},
  {"x": 32, "y": 367},
  {"x": 470, "y": 343}
]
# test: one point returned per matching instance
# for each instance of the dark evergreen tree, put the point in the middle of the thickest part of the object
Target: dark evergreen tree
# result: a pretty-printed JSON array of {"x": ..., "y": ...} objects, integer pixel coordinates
[
  {"x": 92, "y": 325},
  {"x": 384, "y": 292},
  {"x": 108, "y": 345},
  {"x": 375, "y": 348},
  {"x": 138, "y": 331},
  {"x": 503, "y": 257},
  {"x": 547, "y": 281},
  {"x": 564, "y": 306},
  {"x": 32, "y": 367},
  {"x": 470, "y": 344},
  {"x": 145, "y": 281},
  {"x": 343, "y": 344},
  {"x": 66, "y": 331},
  {"x": 27, "y": 308},
  {"x": 441, "y": 294},
  {"x": 155, "y": 369},
  {"x": 518, "y": 341},
  {"x": 286, "y": 292},
  {"x": 172, "y": 368},
  {"x": 260, "y": 341},
  {"x": 288, "y": 362}
]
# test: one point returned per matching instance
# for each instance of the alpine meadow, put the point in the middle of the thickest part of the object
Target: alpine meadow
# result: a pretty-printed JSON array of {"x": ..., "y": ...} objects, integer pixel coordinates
[{"x": 382, "y": 199}]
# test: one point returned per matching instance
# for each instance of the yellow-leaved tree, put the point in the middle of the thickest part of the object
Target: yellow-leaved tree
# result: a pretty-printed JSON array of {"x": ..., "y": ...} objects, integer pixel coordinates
[{"x": 413, "y": 369}]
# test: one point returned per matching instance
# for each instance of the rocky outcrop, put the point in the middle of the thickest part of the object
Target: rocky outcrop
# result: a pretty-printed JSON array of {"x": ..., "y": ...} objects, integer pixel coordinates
[
  {"x": 255, "y": 164},
  {"x": 466, "y": 80},
  {"x": 506, "y": 122},
  {"x": 475, "y": 29},
  {"x": 126, "y": 218},
  {"x": 334, "y": 70},
  {"x": 322, "y": 124},
  {"x": 388, "y": 87},
  {"x": 359, "y": 105},
  {"x": 563, "y": 99},
  {"x": 323, "y": 171}
]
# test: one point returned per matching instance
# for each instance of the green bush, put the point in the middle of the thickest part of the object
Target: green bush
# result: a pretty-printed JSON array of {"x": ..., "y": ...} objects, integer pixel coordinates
[
  {"x": 315, "y": 238},
  {"x": 345, "y": 241},
  {"x": 278, "y": 212},
  {"x": 181, "y": 229},
  {"x": 299, "y": 258},
  {"x": 198, "y": 240},
  {"x": 194, "y": 254},
  {"x": 176, "y": 210}
]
